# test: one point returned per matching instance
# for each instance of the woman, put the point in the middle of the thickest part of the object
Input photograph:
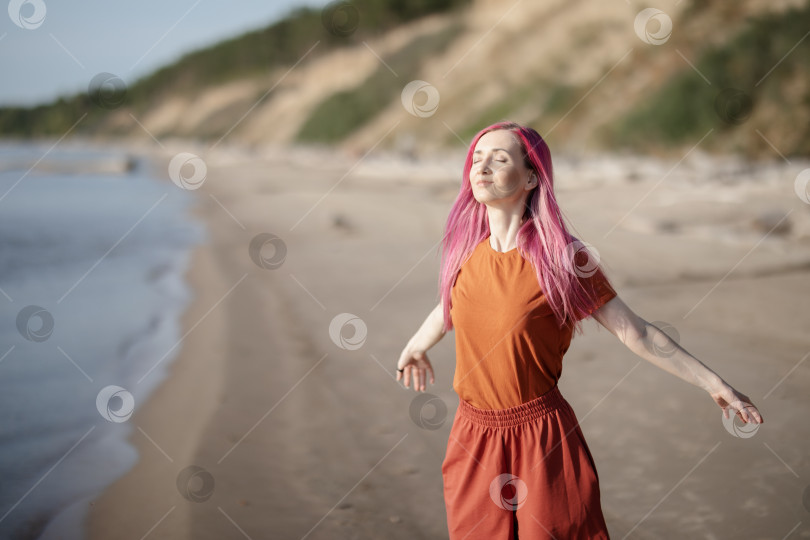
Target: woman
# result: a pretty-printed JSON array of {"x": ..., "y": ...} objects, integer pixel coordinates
[{"x": 515, "y": 288}]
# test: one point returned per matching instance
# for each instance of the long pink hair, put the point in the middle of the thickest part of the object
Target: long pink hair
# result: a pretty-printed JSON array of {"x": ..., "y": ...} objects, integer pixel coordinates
[{"x": 543, "y": 239}]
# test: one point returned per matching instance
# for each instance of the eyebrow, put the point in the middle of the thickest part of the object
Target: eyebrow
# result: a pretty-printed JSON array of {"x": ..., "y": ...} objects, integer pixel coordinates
[{"x": 494, "y": 149}]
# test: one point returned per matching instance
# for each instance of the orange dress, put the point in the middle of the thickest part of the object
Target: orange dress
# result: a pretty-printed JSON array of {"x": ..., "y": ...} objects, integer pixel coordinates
[
  {"x": 509, "y": 348},
  {"x": 517, "y": 464}
]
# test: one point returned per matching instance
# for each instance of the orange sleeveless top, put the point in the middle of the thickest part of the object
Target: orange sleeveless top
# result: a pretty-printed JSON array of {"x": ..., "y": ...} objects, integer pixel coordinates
[{"x": 509, "y": 348}]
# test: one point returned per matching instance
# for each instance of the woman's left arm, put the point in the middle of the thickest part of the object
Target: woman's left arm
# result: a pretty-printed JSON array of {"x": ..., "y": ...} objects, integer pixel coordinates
[{"x": 653, "y": 345}]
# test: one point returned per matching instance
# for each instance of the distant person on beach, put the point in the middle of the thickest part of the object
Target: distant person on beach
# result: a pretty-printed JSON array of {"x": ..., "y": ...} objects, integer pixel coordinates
[{"x": 515, "y": 285}]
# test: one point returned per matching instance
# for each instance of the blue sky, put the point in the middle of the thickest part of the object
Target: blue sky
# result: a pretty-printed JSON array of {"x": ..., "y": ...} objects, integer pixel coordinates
[{"x": 77, "y": 40}]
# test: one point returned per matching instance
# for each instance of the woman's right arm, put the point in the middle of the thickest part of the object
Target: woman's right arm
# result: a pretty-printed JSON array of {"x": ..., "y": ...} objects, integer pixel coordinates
[
  {"x": 414, "y": 360},
  {"x": 430, "y": 333}
]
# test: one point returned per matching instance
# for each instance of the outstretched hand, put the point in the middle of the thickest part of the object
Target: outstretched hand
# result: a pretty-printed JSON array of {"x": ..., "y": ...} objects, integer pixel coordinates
[
  {"x": 414, "y": 364},
  {"x": 732, "y": 401}
]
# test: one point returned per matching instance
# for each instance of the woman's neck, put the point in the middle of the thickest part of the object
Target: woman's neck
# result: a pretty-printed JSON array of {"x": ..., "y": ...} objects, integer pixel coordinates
[{"x": 503, "y": 228}]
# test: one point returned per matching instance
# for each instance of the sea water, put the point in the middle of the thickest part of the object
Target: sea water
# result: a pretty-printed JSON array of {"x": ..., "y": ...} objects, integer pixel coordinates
[{"x": 92, "y": 267}]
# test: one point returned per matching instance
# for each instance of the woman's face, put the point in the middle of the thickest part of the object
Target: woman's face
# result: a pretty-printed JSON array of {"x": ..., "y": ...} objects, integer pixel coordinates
[{"x": 499, "y": 174}]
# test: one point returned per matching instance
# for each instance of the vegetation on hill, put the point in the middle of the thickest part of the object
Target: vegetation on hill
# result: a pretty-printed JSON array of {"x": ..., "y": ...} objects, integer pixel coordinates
[
  {"x": 758, "y": 67},
  {"x": 343, "y": 112},
  {"x": 279, "y": 44}
]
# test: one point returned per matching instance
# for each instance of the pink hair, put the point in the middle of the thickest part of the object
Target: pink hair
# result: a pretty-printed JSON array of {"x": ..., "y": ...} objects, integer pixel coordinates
[{"x": 543, "y": 239}]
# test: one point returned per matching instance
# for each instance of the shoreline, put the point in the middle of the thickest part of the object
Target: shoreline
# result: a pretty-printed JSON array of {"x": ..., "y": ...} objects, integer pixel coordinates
[
  {"x": 123, "y": 504},
  {"x": 141, "y": 293}
]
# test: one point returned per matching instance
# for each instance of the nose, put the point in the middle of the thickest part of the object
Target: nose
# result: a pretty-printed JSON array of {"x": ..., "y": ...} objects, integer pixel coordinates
[{"x": 483, "y": 165}]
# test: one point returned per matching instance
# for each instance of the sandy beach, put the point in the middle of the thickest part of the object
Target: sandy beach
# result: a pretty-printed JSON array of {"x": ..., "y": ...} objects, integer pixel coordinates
[{"x": 295, "y": 437}]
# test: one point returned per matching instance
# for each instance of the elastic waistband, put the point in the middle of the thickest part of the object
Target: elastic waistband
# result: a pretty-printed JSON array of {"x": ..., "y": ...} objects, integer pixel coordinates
[{"x": 514, "y": 416}]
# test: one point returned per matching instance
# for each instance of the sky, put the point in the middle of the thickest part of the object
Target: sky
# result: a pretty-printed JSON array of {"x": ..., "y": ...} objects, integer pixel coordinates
[{"x": 56, "y": 48}]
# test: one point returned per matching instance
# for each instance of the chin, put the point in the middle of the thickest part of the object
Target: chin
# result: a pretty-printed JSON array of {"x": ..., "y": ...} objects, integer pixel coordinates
[{"x": 483, "y": 199}]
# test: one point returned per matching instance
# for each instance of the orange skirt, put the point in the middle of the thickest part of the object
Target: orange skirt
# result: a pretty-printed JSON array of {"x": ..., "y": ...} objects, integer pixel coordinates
[{"x": 523, "y": 472}]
